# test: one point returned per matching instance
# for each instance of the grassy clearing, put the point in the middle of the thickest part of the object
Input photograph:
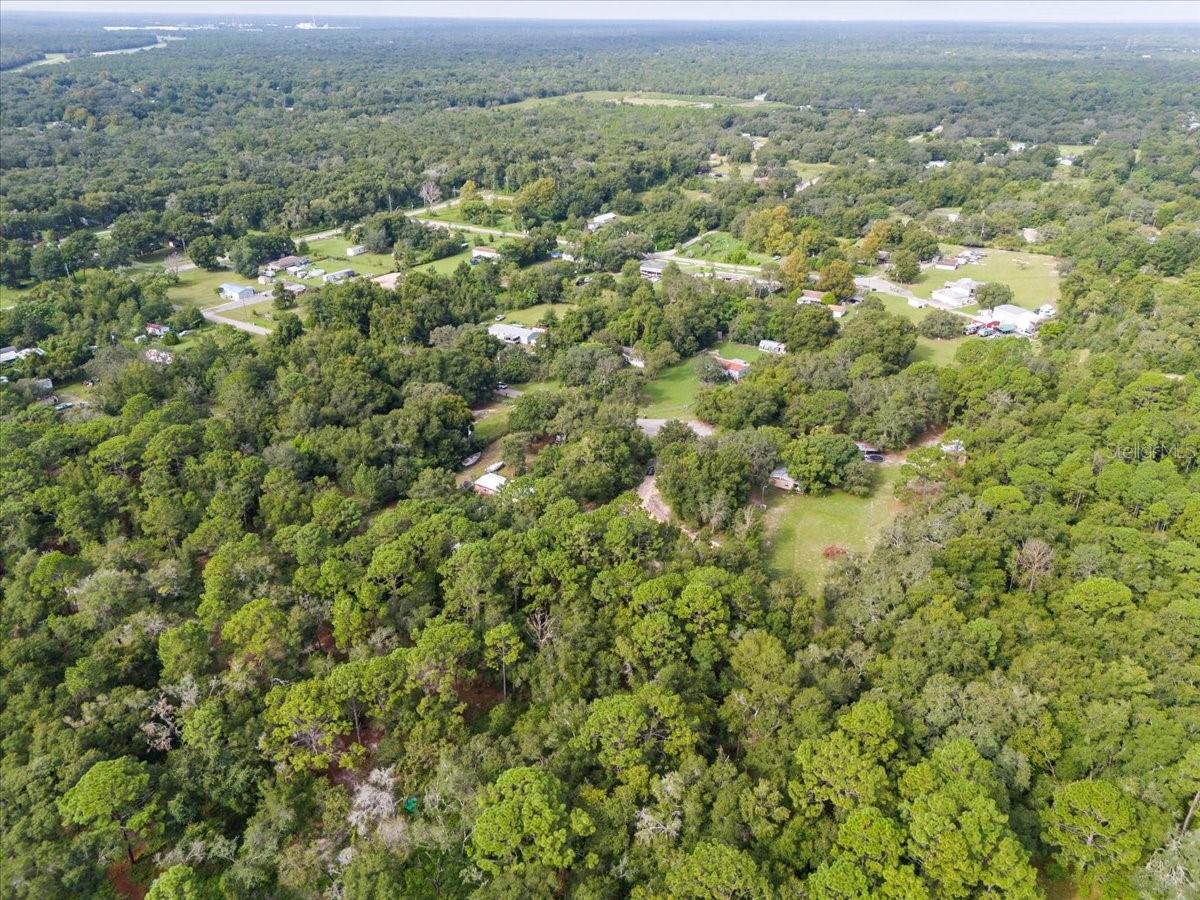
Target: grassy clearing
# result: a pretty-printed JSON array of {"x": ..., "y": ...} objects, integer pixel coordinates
[
  {"x": 198, "y": 287},
  {"x": 802, "y": 526},
  {"x": 656, "y": 98},
  {"x": 932, "y": 350},
  {"x": 670, "y": 395},
  {"x": 494, "y": 426},
  {"x": 10, "y": 296},
  {"x": 446, "y": 265},
  {"x": 809, "y": 171},
  {"x": 1033, "y": 277},
  {"x": 1073, "y": 149},
  {"x": 533, "y": 315},
  {"x": 256, "y": 313},
  {"x": 733, "y": 350},
  {"x": 454, "y": 214},
  {"x": 330, "y": 254},
  {"x": 721, "y": 246}
]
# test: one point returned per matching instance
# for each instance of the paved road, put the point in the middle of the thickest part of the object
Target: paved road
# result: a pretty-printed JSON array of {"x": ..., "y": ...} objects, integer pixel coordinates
[
  {"x": 248, "y": 327},
  {"x": 474, "y": 229},
  {"x": 213, "y": 314}
]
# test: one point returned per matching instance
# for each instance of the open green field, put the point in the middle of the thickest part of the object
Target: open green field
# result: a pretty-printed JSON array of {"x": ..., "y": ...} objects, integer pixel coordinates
[
  {"x": 809, "y": 171},
  {"x": 1073, "y": 149},
  {"x": 670, "y": 395},
  {"x": 721, "y": 246},
  {"x": 256, "y": 313},
  {"x": 494, "y": 426},
  {"x": 801, "y": 526},
  {"x": 1032, "y": 276},
  {"x": 932, "y": 350},
  {"x": 330, "y": 254},
  {"x": 446, "y": 265},
  {"x": 533, "y": 315},
  {"x": 734, "y": 350},
  {"x": 454, "y": 214},
  {"x": 12, "y": 295},
  {"x": 198, "y": 287}
]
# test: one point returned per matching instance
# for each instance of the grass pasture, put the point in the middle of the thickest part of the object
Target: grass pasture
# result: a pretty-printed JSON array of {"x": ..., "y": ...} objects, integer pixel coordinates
[
  {"x": 330, "y": 254},
  {"x": 446, "y": 265},
  {"x": 1033, "y": 277},
  {"x": 198, "y": 287},
  {"x": 802, "y": 526},
  {"x": 809, "y": 171},
  {"x": 671, "y": 394}
]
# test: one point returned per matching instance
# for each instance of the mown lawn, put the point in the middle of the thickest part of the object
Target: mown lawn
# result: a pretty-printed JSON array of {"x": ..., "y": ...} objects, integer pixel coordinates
[
  {"x": 533, "y": 315},
  {"x": 1033, "y": 277},
  {"x": 932, "y": 350},
  {"x": 801, "y": 527},
  {"x": 809, "y": 171},
  {"x": 330, "y": 254},
  {"x": 454, "y": 214},
  {"x": 670, "y": 395},
  {"x": 198, "y": 287},
  {"x": 446, "y": 265},
  {"x": 257, "y": 313}
]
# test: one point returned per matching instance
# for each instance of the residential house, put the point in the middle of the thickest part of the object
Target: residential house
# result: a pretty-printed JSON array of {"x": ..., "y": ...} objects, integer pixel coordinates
[
  {"x": 11, "y": 354},
  {"x": 285, "y": 263},
  {"x": 734, "y": 368},
  {"x": 356, "y": 250},
  {"x": 155, "y": 330},
  {"x": 489, "y": 484},
  {"x": 231, "y": 291},
  {"x": 810, "y": 297},
  {"x": 774, "y": 347},
  {"x": 937, "y": 164},
  {"x": 478, "y": 253},
  {"x": 633, "y": 357},
  {"x": 949, "y": 263},
  {"x": 339, "y": 276},
  {"x": 389, "y": 281},
  {"x": 865, "y": 449},
  {"x": 781, "y": 479},
  {"x": 837, "y": 310},
  {"x": 957, "y": 293},
  {"x": 517, "y": 335},
  {"x": 294, "y": 288},
  {"x": 597, "y": 222},
  {"x": 1012, "y": 318},
  {"x": 652, "y": 269}
]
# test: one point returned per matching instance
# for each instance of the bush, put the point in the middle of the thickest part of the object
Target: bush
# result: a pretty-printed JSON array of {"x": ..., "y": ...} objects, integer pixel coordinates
[{"x": 940, "y": 324}]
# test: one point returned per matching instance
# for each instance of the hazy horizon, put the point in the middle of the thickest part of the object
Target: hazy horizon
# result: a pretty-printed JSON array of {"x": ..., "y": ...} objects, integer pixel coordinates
[{"x": 1027, "y": 12}]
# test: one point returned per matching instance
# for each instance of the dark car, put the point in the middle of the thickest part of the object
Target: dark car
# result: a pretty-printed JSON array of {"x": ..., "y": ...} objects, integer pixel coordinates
[
  {"x": 650, "y": 468},
  {"x": 873, "y": 457}
]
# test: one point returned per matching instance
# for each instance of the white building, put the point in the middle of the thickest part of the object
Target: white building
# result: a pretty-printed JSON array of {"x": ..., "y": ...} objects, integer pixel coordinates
[
  {"x": 937, "y": 164},
  {"x": 597, "y": 222},
  {"x": 236, "y": 291},
  {"x": 772, "y": 347},
  {"x": 490, "y": 483},
  {"x": 1025, "y": 321},
  {"x": 11, "y": 354},
  {"x": 516, "y": 334},
  {"x": 957, "y": 293},
  {"x": 478, "y": 253},
  {"x": 652, "y": 269},
  {"x": 338, "y": 277},
  {"x": 356, "y": 250}
]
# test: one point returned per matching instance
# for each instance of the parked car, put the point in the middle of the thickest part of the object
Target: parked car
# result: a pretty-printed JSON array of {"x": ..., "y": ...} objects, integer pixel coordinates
[
  {"x": 650, "y": 469},
  {"x": 873, "y": 457},
  {"x": 495, "y": 467},
  {"x": 985, "y": 332},
  {"x": 500, "y": 318},
  {"x": 502, "y": 385}
]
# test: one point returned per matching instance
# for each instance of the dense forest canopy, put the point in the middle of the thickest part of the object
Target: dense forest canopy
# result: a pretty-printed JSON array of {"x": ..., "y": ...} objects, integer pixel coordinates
[{"x": 270, "y": 630}]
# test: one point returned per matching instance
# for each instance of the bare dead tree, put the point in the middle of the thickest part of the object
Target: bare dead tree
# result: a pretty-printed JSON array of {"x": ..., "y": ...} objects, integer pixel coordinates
[{"x": 1034, "y": 561}]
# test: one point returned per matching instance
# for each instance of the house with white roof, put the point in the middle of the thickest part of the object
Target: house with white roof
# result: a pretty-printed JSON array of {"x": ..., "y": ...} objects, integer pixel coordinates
[
  {"x": 597, "y": 222},
  {"x": 489, "y": 484},
  {"x": 957, "y": 293},
  {"x": 774, "y": 347},
  {"x": 516, "y": 334},
  {"x": 231, "y": 291}
]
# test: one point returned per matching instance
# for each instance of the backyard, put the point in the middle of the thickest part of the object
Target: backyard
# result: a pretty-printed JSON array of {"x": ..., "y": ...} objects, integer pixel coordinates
[
  {"x": 671, "y": 393},
  {"x": 802, "y": 527},
  {"x": 533, "y": 315}
]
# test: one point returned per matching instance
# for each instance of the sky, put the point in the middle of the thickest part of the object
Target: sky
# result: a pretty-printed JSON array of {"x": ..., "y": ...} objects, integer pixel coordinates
[{"x": 1030, "y": 11}]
